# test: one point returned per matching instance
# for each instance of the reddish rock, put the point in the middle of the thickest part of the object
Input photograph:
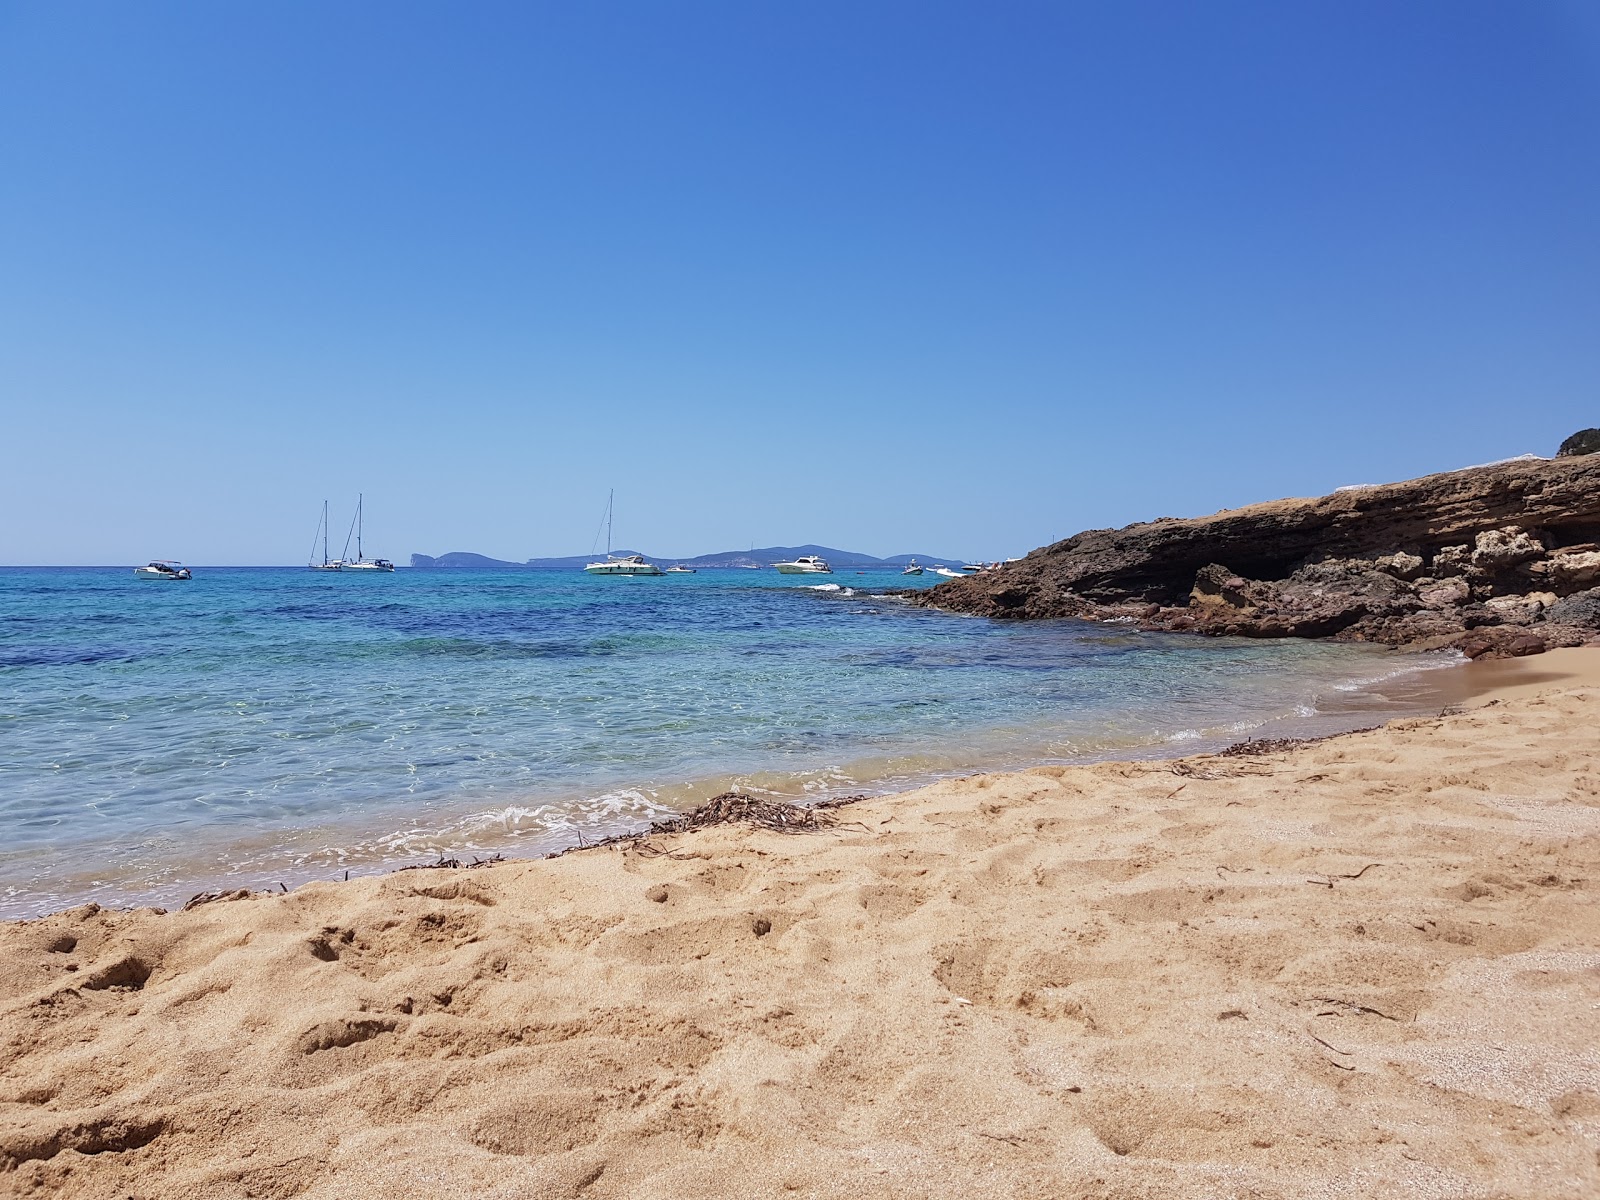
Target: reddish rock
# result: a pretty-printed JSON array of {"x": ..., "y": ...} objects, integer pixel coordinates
[{"x": 1501, "y": 643}]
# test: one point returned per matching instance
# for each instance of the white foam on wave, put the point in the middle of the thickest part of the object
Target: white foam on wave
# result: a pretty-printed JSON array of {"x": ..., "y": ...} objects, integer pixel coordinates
[
  {"x": 1423, "y": 663},
  {"x": 555, "y": 822},
  {"x": 521, "y": 819},
  {"x": 1234, "y": 727}
]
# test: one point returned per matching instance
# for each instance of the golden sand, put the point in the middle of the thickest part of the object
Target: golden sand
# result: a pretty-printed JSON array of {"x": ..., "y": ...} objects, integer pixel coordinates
[{"x": 1368, "y": 966}]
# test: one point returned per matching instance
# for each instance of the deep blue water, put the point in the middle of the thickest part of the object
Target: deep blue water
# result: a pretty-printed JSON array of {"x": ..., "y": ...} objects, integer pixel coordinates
[{"x": 266, "y": 724}]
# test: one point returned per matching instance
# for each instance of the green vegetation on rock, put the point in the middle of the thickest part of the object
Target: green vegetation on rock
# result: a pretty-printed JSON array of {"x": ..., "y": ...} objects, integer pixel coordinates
[{"x": 1585, "y": 441}]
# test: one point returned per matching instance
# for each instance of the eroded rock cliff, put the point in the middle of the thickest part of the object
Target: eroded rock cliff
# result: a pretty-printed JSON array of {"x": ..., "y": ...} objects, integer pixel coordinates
[{"x": 1502, "y": 559}]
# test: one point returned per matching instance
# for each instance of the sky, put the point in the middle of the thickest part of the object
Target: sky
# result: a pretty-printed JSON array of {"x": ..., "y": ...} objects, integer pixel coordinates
[{"x": 891, "y": 276}]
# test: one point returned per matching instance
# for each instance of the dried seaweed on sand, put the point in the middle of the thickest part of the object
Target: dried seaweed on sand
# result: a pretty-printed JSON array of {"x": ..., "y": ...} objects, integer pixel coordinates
[{"x": 735, "y": 808}]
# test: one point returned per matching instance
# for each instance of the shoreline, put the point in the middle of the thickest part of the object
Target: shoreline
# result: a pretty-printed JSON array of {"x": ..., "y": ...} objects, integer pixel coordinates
[
  {"x": 1409, "y": 684},
  {"x": 1374, "y": 957},
  {"x": 1514, "y": 678}
]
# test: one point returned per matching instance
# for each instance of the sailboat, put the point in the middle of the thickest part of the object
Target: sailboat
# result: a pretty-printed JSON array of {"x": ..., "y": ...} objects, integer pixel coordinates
[
  {"x": 623, "y": 564},
  {"x": 361, "y": 563},
  {"x": 322, "y": 528}
]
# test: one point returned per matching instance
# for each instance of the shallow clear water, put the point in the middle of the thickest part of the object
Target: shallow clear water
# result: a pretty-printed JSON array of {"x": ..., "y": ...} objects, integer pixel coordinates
[{"x": 264, "y": 725}]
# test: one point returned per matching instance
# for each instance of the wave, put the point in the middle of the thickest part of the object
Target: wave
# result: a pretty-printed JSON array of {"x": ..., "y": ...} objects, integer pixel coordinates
[
  {"x": 64, "y": 656},
  {"x": 1423, "y": 663}
]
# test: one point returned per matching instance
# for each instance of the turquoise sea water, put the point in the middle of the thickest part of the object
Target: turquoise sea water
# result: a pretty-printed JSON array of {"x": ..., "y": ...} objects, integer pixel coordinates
[{"x": 277, "y": 724}]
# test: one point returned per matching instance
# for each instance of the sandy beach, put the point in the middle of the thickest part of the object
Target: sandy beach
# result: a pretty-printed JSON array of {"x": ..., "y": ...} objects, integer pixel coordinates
[{"x": 1368, "y": 966}]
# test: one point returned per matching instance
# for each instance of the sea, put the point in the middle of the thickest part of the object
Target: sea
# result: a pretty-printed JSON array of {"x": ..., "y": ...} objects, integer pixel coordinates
[{"x": 262, "y": 727}]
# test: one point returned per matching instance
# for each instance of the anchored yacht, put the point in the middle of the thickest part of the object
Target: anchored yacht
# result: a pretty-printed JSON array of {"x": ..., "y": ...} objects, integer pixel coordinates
[
  {"x": 620, "y": 564},
  {"x": 806, "y": 564},
  {"x": 327, "y": 564},
  {"x": 162, "y": 568},
  {"x": 624, "y": 564},
  {"x": 361, "y": 562}
]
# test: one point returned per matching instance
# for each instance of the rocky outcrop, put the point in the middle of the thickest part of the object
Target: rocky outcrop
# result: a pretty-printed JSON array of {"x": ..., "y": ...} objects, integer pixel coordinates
[
  {"x": 1585, "y": 441},
  {"x": 1498, "y": 560}
]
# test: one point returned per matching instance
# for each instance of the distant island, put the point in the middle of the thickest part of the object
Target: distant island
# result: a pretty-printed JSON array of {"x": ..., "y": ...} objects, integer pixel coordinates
[{"x": 461, "y": 560}]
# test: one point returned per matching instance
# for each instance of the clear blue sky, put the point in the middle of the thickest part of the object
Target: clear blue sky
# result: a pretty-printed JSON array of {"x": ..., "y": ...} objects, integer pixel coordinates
[{"x": 920, "y": 276}]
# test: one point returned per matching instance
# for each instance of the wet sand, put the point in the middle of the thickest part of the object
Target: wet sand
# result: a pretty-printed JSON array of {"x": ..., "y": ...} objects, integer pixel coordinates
[{"x": 1365, "y": 966}]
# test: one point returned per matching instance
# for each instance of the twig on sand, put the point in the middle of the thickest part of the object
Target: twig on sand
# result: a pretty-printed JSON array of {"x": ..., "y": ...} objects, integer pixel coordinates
[
  {"x": 1002, "y": 1137},
  {"x": 213, "y": 897},
  {"x": 1329, "y": 1045},
  {"x": 1353, "y": 1006},
  {"x": 455, "y": 864},
  {"x": 1176, "y": 790},
  {"x": 1274, "y": 745},
  {"x": 840, "y": 801},
  {"x": 730, "y": 808},
  {"x": 1327, "y": 879}
]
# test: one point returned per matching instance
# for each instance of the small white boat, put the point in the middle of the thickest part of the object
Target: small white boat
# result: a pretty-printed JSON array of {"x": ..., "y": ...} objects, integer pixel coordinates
[
  {"x": 680, "y": 570},
  {"x": 163, "y": 568},
  {"x": 912, "y": 568},
  {"x": 948, "y": 573},
  {"x": 806, "y": 564}
]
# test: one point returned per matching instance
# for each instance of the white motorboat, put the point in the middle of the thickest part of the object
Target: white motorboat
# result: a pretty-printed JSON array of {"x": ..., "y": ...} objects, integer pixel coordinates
[
  {"x": 163, "y": 568},
  {"x": 948, "y": 573},
  {"x": 361, "y": 563},
  {"x": 326, "y": 564},
  {"x": 912, "y": 568},
  {"x": 620, "y": 564},
  {"x": 624, "y": 564},
  {"x": 680, "y": 570},
  {"x": 806, "y": 564}
]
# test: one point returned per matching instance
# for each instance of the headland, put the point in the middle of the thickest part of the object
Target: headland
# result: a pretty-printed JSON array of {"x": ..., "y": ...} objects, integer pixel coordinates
[{"x": 1497, "y": 561}]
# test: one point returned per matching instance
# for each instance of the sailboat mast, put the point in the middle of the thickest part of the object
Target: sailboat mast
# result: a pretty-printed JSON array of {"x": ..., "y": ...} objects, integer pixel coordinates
[
  {"x": 324, "y": 533},
  {"x": 611, "y": 498},
  {"x": 360, "y": 499}
]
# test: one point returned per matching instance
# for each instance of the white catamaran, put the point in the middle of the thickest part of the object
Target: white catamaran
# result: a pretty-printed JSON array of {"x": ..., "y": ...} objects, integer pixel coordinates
[
  {"x": 620, "y": 564},
  {"x": 360, "y": 563}
]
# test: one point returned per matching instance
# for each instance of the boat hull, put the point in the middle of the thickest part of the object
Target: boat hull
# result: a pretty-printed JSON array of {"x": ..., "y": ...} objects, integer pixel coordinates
[
  {"x": 617, "y": 569},
  {"x": 791, "y": 569}
]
